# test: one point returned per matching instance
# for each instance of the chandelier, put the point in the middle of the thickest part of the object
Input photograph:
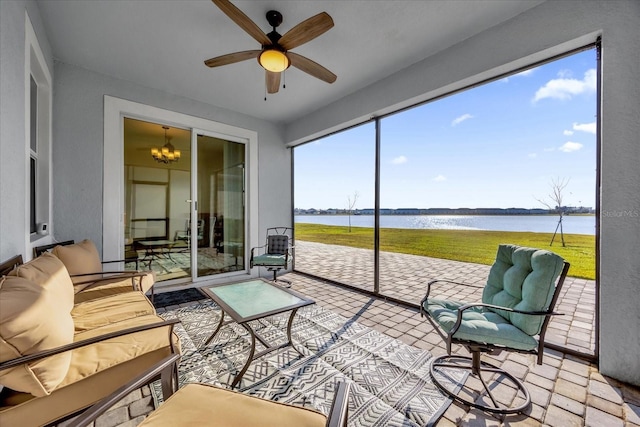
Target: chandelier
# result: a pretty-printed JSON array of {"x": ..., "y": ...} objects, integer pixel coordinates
[{"x": 167, "y": 153}]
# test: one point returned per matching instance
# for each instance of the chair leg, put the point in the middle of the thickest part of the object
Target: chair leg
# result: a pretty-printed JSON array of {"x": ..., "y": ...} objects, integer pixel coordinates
[
  {"x": 287, "y": 283},
  {"x": 442, "y": 372}
]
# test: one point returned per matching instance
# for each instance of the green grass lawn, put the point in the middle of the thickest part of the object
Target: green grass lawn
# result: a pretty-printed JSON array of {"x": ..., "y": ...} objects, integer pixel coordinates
[{"x": 458, "y": 245}]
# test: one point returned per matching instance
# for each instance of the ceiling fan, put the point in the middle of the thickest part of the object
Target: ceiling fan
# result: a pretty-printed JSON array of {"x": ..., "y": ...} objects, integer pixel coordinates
[{"x": 275, "y": 55}]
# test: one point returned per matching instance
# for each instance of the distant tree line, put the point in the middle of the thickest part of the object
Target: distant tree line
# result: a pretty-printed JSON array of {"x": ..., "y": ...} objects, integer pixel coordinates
[{"x": 566, "y": 210}]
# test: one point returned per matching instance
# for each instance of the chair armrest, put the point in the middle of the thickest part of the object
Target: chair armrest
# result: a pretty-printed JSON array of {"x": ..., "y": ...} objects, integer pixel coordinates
[
  {"x": 252, "y": 253},
  {"x": 465, "y": 307},
  {"x": 258, "y": 247},
  {"x": 433, "y": 282},
  {"x": 109, "y": 275},
  {"x": 10, "y": 264},
  {"x": 72, "y": 346},
  {"x": 511, "y": 310},
  {"x": 117, "y": 260},
  {"x": 340, "y": 407},
  {"x": 162, "y": 368}
]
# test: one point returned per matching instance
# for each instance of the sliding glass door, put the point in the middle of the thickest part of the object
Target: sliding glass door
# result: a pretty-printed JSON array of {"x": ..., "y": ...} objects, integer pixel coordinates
[
  {"x": 220, "y": 210},
  {"x": 184, "y": 208}
]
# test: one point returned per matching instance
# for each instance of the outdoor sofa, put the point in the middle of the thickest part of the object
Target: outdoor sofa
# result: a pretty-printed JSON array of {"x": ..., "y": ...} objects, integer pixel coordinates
[{"x": 62, "y": 351}]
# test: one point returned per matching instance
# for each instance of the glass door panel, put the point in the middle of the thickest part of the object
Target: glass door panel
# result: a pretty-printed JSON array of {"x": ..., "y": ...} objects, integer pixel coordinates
[
  {"x": 220, "y": 212},
  {"x": 157, "y": 191}
]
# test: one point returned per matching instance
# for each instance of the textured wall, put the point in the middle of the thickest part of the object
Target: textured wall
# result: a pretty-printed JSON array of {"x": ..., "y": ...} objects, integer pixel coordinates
[
  {"x": 78, "y": 150},
  {"x": 13, "y": 150},
  {"x": 551, "y": 28}
]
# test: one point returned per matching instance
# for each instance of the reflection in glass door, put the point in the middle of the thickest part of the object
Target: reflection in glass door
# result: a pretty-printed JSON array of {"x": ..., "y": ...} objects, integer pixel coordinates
[
  {"x": 157, "y": 177},
  {"x": 220, "y": 212},
  {"x": 168, "y": 230}
]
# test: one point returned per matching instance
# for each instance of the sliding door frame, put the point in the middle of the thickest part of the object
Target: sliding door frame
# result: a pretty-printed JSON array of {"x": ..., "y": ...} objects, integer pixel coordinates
[{"x": 115, "y": 110}]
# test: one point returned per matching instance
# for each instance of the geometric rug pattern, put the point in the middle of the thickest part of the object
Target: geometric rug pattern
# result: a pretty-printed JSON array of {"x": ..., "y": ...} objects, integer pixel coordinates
[{"x": 390, "y": 380}]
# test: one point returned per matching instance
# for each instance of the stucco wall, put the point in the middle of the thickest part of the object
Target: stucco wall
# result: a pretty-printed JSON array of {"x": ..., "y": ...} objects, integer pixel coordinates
[
  {"x": 14, "y": 236},
  {"x": 78, "y": 149},
  {"x": 551, "y": 28}
]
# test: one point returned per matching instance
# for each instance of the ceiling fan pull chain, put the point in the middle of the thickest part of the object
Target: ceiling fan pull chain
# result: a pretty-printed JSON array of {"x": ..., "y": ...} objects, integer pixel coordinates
[
  {"x": 265, "y": 91},
  {"x": 284, "y": 79}
]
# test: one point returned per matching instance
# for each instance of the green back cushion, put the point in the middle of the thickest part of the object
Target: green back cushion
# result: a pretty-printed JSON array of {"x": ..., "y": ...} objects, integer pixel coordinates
[{"x": 523, "y": 279}]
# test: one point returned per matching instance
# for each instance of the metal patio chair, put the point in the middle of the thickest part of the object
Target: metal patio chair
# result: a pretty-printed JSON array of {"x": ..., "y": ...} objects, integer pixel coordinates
[
  {"x": 517, "y": 303},
  {"x": 276, "y": 253}
]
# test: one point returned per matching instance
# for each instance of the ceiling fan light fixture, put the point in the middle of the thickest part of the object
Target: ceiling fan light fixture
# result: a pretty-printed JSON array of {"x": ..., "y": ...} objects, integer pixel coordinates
[{"x": 273, "y": 60}]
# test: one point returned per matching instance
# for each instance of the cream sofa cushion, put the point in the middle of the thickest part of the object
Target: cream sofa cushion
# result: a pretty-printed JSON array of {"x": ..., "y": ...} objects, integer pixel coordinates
[
  {"x": 111, "y": 309},
  {"x": 89, "y": 360},
  {"x": 200, "y": 404},
  {"x": 116, "y": 284},
  {"x": 35, "y": 317},
  {"x": 48, "y": 271},
  {"x": 80, "y": 258}
]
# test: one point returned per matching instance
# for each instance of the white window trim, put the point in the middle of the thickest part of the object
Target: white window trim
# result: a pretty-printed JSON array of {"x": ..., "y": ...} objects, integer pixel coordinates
[
  {"x": 115, "y": 109},
  {"x": 36, "y": 66}
]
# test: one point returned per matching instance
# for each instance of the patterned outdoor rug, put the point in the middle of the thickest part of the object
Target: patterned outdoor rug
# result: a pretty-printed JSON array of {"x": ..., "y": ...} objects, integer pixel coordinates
[{"x": 391, "y": 384}]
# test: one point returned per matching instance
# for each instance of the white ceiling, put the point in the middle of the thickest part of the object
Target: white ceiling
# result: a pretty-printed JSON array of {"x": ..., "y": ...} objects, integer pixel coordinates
[{"x": 162, "y": 44}]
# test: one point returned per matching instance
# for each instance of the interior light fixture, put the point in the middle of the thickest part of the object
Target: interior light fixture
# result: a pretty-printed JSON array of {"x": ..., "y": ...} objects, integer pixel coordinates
[
  {"x": 273, "y": 60},
  {"x": 167, "y": 153}
]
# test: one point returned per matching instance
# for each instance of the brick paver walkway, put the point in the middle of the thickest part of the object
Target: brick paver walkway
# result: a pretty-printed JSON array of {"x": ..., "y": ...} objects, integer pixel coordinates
[{"x": 405, "y": 277}]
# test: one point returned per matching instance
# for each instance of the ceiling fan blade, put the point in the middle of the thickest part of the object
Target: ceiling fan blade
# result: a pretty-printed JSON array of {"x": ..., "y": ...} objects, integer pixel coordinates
[
  {"x": 231, "y": 58},
  {"x": 310, "y": 67},
  {"x": 243, "y": 21},
  {"x": 306, "y": 30},
  {"x": 273, "y": 82}
]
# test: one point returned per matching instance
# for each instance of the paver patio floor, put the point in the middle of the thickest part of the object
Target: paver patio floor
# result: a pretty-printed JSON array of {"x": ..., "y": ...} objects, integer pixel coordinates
[
  {"x": 565, "y": 390},
  {"x": 405, "y": 277}
]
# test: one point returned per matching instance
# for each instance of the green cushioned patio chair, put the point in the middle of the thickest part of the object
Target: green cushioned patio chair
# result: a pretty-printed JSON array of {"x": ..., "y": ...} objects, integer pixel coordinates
[
  {"x": 276, "y": 254},
  {"x": 517, "y": 303}
]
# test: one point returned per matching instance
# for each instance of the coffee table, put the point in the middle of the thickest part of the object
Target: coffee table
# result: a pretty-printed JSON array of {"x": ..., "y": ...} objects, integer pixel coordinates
[{"x": 252, "y": 300}]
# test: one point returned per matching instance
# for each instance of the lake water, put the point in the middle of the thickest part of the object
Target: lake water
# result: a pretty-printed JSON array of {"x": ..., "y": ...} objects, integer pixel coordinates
[{"x": 579, "y": 224}]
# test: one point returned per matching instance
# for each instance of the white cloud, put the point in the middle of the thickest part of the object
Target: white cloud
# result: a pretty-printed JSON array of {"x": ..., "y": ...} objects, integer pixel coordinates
[
  {"x": 565, "y": 74},
  {"x": 585, "y": 127},
  {"x": 569, "y": 146},
  {"x": 532, "y": 155},
  {"x": 399, "y": 160},
  {"x": 567, "y": 133},
  {"x": 564, "y": 87},
  {"x": 524, "y": 73},
  {"x": 461, "y": 119},
  {"x": 440, "y": 178}
]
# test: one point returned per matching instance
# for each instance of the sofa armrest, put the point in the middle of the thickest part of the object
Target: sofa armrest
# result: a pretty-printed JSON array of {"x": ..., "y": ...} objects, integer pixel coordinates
[
  {"x": 72, "y": 346},
  {"x": 164, "y": 368},
  {"x": 10, "y": 264},
  {"x": 107, "y": 275},
  {"x": 339, "y": 409}
]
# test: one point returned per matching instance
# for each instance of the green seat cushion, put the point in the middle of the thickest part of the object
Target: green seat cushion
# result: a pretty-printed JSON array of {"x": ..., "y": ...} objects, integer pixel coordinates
[
  {"x": 270, "y": 260},
  {"x": 523, "y": 279},
  {"x": 478, "y": 325}
]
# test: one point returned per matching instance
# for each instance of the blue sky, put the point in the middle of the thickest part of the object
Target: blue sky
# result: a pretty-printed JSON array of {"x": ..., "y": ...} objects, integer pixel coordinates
[{"x": 498, "y": 145}]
